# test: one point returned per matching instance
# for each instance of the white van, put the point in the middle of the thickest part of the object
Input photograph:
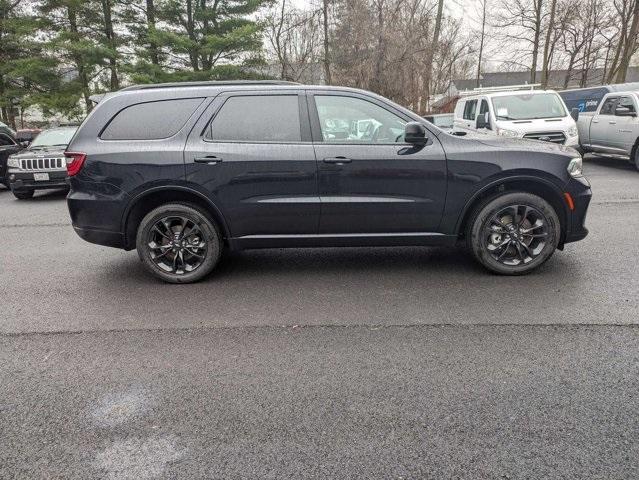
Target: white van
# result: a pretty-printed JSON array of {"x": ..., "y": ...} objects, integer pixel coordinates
[{"x": 512, "y": 112}]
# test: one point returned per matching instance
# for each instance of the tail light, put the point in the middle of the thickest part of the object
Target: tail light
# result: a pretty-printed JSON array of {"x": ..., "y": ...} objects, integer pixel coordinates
[{"x": 75, "y": 160}]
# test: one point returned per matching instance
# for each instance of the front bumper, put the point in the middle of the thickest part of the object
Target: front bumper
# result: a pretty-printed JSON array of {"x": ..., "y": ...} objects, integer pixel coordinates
[
  {"x": 581, "y": 194},
  {"x": 25, "y": 180}
]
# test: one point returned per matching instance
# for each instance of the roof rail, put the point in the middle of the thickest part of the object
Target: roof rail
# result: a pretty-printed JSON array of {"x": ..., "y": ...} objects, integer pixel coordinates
[
  {"x": 207, "y": 83},
  {"x": 505, "y": 88}
]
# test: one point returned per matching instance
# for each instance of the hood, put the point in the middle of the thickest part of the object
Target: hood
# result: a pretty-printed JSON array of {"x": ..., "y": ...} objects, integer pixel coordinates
[
  {"x": 525, "y": 144},
  {"x": 44, "y": 153}
]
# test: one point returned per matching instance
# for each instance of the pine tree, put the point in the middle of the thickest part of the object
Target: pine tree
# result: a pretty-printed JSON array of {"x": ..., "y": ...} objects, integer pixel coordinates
[{"x": 27, "y": 74}]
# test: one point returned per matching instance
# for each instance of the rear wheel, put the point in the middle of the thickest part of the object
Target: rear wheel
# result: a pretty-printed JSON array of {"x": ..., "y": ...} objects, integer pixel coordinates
[
  {"x": 23, "y": 194},
  {"x": 635, "y": 160},
  {"x": 514, "y": 233},
  {"x": 178, "y": 243}
]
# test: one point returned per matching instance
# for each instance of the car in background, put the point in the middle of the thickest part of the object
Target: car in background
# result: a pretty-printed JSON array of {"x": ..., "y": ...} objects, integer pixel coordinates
[
  {"x": 26, "y": 135},
  {"x": 445, "y": 121},
  {"x": 613, "y": 128},
  {"x": 517, "y": 113},
  {"x": 8, "y": 146},
  {"x": 42, "y": 165},
  {"x": 588, "y": 99}
]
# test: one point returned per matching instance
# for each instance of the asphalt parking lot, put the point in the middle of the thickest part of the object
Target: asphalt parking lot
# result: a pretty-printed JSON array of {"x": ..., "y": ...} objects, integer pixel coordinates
[{"x": 320, "y": 363}]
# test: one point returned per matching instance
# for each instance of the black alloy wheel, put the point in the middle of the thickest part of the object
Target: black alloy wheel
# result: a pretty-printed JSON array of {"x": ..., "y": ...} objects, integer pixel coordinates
[
  {"x": 513, "y": 233},
  {"x": 516, "y": 234},
  {"x": 178, "y": 243}
]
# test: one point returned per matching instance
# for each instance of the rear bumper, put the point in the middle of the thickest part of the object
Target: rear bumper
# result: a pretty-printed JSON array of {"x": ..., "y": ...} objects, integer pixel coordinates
[
  {"x": 96, "y": 211},
  {"x": 100, "y": 237},
  {"x": 25, "y": 180}
]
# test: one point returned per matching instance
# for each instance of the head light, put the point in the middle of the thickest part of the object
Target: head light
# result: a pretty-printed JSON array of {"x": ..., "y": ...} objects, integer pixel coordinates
[
  {"x": 575, "y": 167},
  {"x": 13, "y": 163},
  {"x": 507, "y": 133},
  {"x": 572, "y": 131}
]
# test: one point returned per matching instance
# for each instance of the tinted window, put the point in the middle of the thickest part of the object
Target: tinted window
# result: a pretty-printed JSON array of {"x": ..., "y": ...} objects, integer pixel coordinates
[
  {"x": 608, "y": 108},
  {"x": 626, "y": 102},
  {"x": 348, "y": 119},
  {"x": 5, "y": 140},
  {"x": 469, "y": 110},
  {"x": 152, "y": 120},
  {"x": 266, "y": 118}
]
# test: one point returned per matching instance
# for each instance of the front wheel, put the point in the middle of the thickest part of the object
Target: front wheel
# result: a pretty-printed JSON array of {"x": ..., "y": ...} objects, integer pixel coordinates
[
  {"x": 23, "y": 194},
  {"x": 178, "y": 243},
  {"x": 636, "y": 158},
  {"x": 513, "y": 233}
]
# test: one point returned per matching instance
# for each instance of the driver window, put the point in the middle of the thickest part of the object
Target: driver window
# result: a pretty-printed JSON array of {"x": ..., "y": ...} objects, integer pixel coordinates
[
  {"x": 5, "y": 140},
  {"x": 349, "y": 119}
]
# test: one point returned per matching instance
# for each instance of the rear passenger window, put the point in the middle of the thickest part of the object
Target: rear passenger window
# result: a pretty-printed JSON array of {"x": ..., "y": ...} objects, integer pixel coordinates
[
  {"x": 266, "y": 118},
  {"x": 151, "y": 120},
  {"x": 469, "y": 109}
]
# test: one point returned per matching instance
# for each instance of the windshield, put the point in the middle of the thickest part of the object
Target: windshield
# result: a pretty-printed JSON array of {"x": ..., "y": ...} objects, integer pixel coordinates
[
  {"x": 59, "y": 137},
  {"x": 527, "y": 106},
  {"x": 443, "y": 121}
]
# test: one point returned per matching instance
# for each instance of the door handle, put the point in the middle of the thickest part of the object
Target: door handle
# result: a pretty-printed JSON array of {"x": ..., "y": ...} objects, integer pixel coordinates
[
  {"x": 612, "y": 123},
  {"x": 337, "y": 160},
  {"x": 209, "y": 160},
  {"x": 595, "y": 121}
]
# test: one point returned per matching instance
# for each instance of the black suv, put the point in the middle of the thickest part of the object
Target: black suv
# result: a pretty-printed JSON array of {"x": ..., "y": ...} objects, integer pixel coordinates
[{"x": 180, "y": 170}]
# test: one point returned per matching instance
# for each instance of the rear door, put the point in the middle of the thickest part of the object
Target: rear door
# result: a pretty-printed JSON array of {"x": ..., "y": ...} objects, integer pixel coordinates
[
  {"x": 370, "y": 180},
  {"x": 470, "y": 114},
  {"x": 603, "y": 124},
  {"x": 252, "y": 153}
]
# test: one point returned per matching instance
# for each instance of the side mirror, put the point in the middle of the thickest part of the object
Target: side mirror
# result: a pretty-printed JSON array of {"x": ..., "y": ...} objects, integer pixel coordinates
[
  {"x": 624, "y": 112},
  {"x": 415, "y": 133},
  {"x": 574, "y": 113},
  {"x": 482, "y": 121}
]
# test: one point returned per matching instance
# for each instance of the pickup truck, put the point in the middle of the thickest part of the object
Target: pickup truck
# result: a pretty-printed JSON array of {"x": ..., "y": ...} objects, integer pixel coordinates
[{"x": 613, "y": 128}]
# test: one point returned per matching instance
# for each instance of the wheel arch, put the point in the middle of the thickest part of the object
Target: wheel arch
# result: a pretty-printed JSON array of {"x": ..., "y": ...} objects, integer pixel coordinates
[
  {"x": 154, "y": 197},
  {"x": 537, "y": 186}
]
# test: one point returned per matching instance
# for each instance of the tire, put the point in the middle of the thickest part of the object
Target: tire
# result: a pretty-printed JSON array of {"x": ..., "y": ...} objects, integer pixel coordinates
[
  {"x": 23, "y": 194},
  {"x": 513, "y": 248},
  {"x": 635, "y": 160},
  {"x": 169, "y": 255}
]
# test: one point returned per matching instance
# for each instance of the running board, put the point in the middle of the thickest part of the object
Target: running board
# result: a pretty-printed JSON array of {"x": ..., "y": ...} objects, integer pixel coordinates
[{"x": 342, "y": 240}]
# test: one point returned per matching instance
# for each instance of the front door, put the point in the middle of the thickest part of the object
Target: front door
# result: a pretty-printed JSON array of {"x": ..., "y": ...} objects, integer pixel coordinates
[
  {"x": 601, "y": 125},
  {"x": 252, "y": 154},
  {"x": 370, "y": 180}
]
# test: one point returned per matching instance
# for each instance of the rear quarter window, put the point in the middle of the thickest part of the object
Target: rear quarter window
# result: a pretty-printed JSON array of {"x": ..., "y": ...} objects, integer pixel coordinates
[{"x": 150, "y": 120}]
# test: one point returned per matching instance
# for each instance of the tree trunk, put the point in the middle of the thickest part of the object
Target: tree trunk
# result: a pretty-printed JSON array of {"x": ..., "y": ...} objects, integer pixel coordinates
[
  {"x": 190, "y": 29},
  {"x": 431, "y": 54},
  {"x": 114, "y": 84},
  {"x": 536, "y": 39},
  {"x": 481, "y": 42},
  {"x": 77, "y": 58},
  {"x": 547, "y": 50},
  {"x": 150, "y": 26},
  {"x": 327, "y": 59},
  {"x": 629, "y": 46}
]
